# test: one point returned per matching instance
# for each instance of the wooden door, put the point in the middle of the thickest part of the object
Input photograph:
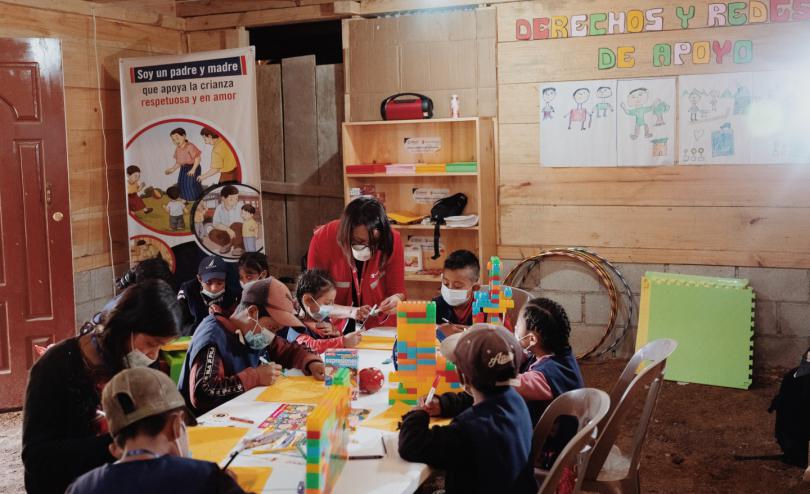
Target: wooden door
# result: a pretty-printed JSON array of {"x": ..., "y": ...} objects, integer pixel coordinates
[{"x": 36, "y": 273}]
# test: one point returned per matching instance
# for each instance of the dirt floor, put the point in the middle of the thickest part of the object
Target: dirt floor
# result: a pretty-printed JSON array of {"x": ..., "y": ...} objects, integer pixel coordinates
[{"x": 690, "y": 446}]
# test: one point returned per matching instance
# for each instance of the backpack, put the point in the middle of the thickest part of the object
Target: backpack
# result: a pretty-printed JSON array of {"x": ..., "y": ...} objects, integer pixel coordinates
[
  {"x": 448, "y": 206},
  {"x": 792, "y": 407}
]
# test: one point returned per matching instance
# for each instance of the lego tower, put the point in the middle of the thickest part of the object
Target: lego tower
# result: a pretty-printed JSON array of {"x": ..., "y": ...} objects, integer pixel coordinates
[
  {"x": 491, "y": 303},
  {"x": 328, "y": 435},
  {"x": 419, "y": 359}
]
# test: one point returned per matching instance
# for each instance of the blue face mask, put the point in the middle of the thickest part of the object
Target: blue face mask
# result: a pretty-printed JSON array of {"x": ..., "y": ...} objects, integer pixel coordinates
[
  {"x": 324, "y": 311},
  {"x": 259, "y": 338}
]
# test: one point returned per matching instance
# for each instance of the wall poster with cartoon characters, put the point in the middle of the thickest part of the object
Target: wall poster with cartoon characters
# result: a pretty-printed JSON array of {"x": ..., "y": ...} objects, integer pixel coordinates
[
  {"x": 191, "y": 157},
  {"x": 578, "y": 123}
]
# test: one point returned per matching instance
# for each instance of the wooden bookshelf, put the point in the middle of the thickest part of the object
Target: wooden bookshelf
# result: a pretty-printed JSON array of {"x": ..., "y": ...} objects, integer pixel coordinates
[{"x": 463, "y": 139}]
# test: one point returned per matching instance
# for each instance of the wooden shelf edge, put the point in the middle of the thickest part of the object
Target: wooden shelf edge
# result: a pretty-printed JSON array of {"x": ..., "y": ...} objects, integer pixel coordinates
[
  {"x": 431, "y": 227},
  {"x": 423, "y": 277},
  {"x": 420, "y": 121},
  {"x": 385, "y": 175}
]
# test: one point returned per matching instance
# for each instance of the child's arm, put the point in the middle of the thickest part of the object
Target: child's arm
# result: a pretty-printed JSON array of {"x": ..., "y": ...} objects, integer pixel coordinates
[
  {"x": 319, "y": 345},
  {"x": 440, "y": 447},
  {"x": 210, "y": 386},
  {"x": 292, "y": 355},
  {"x": 453, "y": 404},
  {"x": 534, "y": 387}
]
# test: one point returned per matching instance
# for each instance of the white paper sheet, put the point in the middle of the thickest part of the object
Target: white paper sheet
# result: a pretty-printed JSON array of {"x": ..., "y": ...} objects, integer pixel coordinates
[
  {"x": 713, "y": 111},
  {"x": 778, "y": 118},
  {"x": 646, "y": 122},
  {"x": 578, "y": 123}
]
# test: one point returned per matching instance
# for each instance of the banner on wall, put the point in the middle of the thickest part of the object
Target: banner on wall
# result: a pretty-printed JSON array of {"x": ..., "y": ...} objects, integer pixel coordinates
[{"x": 191, "y": 157}]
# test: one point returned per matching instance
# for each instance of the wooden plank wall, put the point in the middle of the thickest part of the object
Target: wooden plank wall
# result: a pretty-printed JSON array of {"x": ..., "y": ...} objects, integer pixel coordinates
[
  {"x": 725, "y": 215},
  {"x": 85, "y": 139},
  {"x": 437, "y": 55}
]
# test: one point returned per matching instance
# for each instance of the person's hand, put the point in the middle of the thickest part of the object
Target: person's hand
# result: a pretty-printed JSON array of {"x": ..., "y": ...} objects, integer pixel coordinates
[
  {"x": 268, "y": 374},
  {"x": 200, "y": 179},
  {"x": 327, "y": 329},
  {"x": 434, "y": 408},
  {"x": 389, "y": 305},
  {"x": 317, "y": 370},
  {"x": 351, "y": 340},
  {"x": 168, "y": 171},
  {"x": 231, "y": 233},
  {"x": 191, "y": 172},
  {"x": 449, "y": 328},
  {"x": 361, "y": 313},
  {"x": 215, "y": 309}
]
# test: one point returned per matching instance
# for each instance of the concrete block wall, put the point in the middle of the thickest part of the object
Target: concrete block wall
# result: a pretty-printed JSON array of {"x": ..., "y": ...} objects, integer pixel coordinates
[
  {"x": 92, "y": 290},
  {"x": 782, "y": 310}
]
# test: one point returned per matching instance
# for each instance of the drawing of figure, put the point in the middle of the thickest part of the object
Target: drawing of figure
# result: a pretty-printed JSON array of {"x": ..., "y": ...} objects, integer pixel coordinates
[
  {"x": 134, "y": 187},
  {"x": 223, "y": 160},
  {"x": 723, "y": 141},
  {"x": 250, "y": 228},
  {"x": 187, "y": 160},
  {"x": 580, "y": 113},
  {"x": 658, "y": 111},
  {"x": 549, "y": 94},
  {"x": 199, "y": 219},
  {"x": 637, "y": 100},
  {"x": 694, "y": 109},
  {"x": 713, "y": 97},
  {"x": 603, "y": 93},
  {"x": 742, "y": 100}
]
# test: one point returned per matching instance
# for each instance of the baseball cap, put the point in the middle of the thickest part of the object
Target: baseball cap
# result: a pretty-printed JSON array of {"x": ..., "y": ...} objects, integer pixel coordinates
[
  {"x": 276, "y": 299},
  {"x": 137, "y": 393},
  {"x": 212, "y": 267},
  {"x": 487, "y": 355}
]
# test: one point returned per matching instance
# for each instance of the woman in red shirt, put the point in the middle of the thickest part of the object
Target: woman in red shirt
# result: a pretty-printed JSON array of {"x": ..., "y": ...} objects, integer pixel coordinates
[{"x": 364, "y": 256}]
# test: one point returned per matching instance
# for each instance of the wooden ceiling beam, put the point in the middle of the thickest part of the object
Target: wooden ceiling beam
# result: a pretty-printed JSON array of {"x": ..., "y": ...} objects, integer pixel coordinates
[
  {"x": 271, "y": 17},
  {"x": 105, "y": 11},
  {"x": 192, "y": 8}
]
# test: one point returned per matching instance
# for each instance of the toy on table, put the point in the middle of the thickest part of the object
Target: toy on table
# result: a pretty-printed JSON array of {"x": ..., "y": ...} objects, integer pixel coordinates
[
  {"x": 287, "y": 417},
  {"x": 337, "y": 358},
  {"x": 419, "y": 359},
  {"x": 328, "y": 435},
  {"x": 491, "y": 303},
  {"x": 371, "y": 380}
]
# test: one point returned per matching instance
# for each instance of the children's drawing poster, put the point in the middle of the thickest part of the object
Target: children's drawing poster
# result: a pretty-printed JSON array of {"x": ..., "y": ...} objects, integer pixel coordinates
[
  {"x": 779, "y": 127},
  {"x": 191, "y": 156},
  {"x": 646, "y": 122},
  {"x": 578, "y": 123},
  {"x": 713, "y": 113}
]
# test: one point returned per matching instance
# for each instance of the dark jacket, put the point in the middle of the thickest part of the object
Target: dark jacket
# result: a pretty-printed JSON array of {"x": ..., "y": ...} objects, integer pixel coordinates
[
  {"x": 61, "y": 438},
  {"x": 485, "y": 449},
  {"x": 164, "y": 475},
  {"x": 236, "y": 357},
  {"x": 562, "y": 374},
  {"x": 195, "y": 304}
]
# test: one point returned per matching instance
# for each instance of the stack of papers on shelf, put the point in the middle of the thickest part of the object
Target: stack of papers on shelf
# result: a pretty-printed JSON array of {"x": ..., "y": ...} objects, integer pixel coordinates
[
  {"x": 462, "y": 167},
  {"x": 430, "y": 168},
  {"x": 365, "y": 168},
  {"x": 400, "y": 169},
  {"x": 467, "y": 221}
]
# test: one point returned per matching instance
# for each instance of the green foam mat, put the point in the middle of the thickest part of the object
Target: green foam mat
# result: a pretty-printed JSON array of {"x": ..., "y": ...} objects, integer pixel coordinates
[{"x": 710, "y": 318}]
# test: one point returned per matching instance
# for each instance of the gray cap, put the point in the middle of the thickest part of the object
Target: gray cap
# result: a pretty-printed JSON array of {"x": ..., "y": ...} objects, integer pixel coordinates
[
  {"x": 138, "y": 393},
  {"x": 487, "y": 355}
]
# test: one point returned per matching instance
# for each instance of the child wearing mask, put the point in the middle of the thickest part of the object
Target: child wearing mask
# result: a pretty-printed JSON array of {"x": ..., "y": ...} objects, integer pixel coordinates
[
  {"x": 487, "y": 447},
  {"x": 230, "y": 355},
  {"x": 459, "y": 282},
  {"x": 208, "y": 294},
  {"x": 252, "y": 266},
  {"x": 315, "y": 294},
  {"x": 549, "y": 370},
  {"x": 147, "y": 418}
]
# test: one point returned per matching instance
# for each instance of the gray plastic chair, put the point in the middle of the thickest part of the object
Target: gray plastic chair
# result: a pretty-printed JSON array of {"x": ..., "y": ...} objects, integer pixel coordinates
[
  {"x": 610, "y": 470},
  {"x": 589, "y": 406}
]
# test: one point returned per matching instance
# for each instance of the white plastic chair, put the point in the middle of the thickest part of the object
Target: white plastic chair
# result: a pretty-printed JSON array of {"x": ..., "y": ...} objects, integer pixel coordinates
[{"x": 589, "y": 406}]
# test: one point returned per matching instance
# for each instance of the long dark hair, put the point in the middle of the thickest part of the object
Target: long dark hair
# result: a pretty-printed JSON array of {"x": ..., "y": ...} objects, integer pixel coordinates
[
  {"x": 368, "y": 212},
  {"x": 149, "y": 308},
  {"x": 313, "y": 282},
  {"x": 549, "y": 321}
]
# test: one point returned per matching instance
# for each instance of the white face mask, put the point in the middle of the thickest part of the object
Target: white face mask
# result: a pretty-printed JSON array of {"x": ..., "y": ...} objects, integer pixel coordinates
[
  {"x": 182, "y": 442},
  {"x": 246, "y": 285},
  {"x": 259, "y": 338},
  {"x": 323, "y": 312},
  {"x": 135, "y": 357},
  {"x": 212, "y": 295},
  {"x": 361, "y": 252},
  {"x": 454, "y": 298}
]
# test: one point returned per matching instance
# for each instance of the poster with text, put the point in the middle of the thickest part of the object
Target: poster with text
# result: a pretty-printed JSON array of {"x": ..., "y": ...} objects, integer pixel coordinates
[
  {"x": 646, "y": 122},
  {"x": 191, "y": 157},
  {"x": 778, "y": 118},
  {"x": 578, "y": 123},
  {"x": 713, "y": 113}
]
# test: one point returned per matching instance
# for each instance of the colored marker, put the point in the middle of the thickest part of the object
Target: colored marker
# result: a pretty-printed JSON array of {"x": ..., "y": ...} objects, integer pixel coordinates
[
  {"x": 432, "y": 390},
  {"x": 366, "y": 457},
  {"x": 240, "y": 419}
]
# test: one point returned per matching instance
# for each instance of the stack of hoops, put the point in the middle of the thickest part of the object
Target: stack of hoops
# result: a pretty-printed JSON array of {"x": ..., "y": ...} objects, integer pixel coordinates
[{"x": 611, "y": 337}]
